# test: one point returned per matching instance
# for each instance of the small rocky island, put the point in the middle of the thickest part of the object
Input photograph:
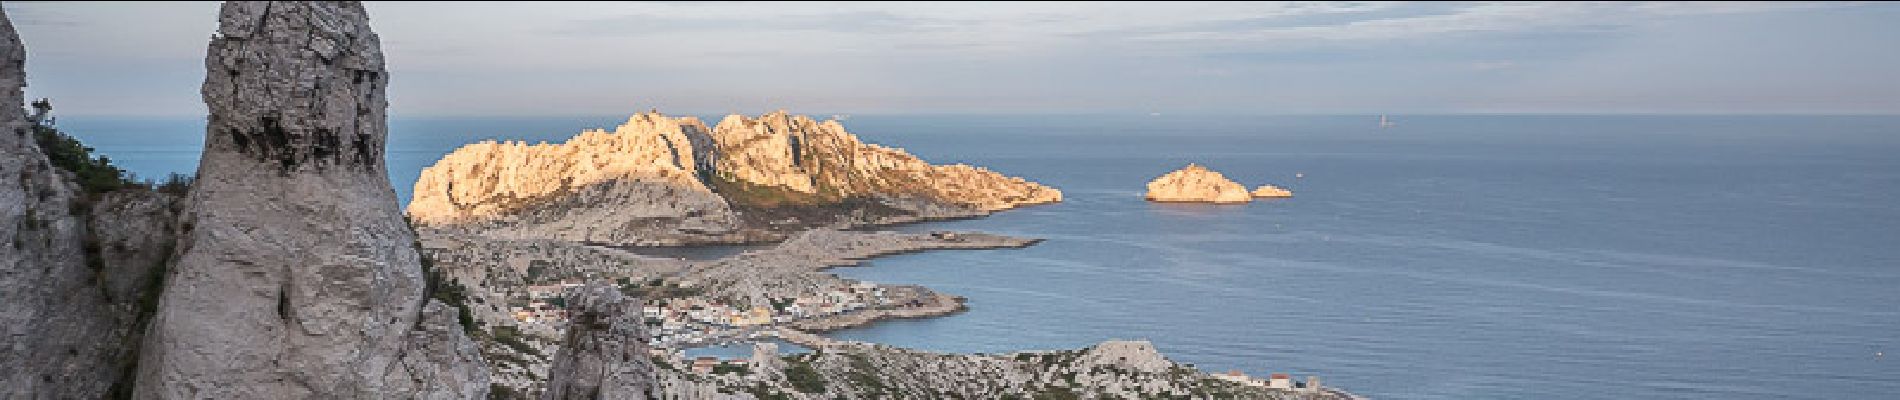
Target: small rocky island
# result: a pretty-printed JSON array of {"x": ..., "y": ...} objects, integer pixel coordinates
[
  {"x": 1270, "y": 191},
  {"x": 1196, "y": 184}
]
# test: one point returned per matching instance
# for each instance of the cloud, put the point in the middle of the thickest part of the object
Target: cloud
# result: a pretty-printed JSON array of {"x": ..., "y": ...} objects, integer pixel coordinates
[
  {"x": 1493, "y": 65},
  {"x": 862, "y": 22},
  {"x": 1177, "y": 57},
  {"x": 1481, "y": 17}
]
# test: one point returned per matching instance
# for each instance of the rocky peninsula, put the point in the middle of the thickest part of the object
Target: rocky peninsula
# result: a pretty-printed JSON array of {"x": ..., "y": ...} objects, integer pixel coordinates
[
  {"x": 660, "y": 180},
  {"x": 1196, "y": 184}
]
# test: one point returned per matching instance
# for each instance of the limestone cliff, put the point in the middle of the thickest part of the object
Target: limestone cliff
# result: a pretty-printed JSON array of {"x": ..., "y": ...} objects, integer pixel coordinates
[
  {"x": 637, "y": 184},
  {"x": 660, "y": 180},
  {"x": 76, "y": 266},
  {"x": 807, "y": 160},
  {"x": 1195, "y": 183},
  {"x": 298, "y": 277},
  {"x": 604, "y": 354}
]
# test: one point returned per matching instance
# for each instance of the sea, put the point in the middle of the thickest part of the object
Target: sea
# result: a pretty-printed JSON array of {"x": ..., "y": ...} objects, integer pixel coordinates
[{"x": 1446, "y": 257}]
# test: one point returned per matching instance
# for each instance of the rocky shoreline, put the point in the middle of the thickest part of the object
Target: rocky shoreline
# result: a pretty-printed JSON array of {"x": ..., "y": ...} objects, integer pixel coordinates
[
  {"x": 495, "y": 270},
  {"x": 846, "y": 369}
]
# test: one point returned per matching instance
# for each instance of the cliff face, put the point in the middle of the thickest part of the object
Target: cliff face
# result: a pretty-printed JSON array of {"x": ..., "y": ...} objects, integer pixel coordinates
[
  {"x": 298, "y": 277},
  {"x": 661, "y": 180},
  {"x": 637, "y": 184},
  {"x": 822, "y": 162},
  {"x": 1195, "y": 183},
  {"x": 76, "y": 268}
]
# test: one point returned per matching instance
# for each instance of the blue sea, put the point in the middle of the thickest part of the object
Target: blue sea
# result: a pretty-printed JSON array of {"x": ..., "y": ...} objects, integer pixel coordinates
[{"x": 1449, "y": 257}]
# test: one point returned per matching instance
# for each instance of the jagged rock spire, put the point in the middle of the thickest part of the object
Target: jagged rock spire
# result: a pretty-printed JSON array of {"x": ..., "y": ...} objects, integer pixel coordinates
[
  {"x": 300, "y": 278},
  {"x": 604, "y": 355}
]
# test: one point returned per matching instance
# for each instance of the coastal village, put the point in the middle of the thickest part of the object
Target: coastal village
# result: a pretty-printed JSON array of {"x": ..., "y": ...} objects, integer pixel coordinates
[
  {"x": 683, "y": 322},
  {"x": 677, "y": 324}
]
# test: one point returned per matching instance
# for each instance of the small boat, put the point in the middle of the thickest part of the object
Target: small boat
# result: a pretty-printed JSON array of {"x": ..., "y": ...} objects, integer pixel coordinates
[{"x": 1385, "y": 122}]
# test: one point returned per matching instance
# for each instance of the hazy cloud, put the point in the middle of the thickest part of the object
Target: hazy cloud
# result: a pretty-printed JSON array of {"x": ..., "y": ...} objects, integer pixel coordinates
[{"x": 1298, "y": 57}]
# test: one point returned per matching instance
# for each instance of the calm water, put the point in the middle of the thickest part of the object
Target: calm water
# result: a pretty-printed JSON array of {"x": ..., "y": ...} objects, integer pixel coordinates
[{"x": 1451, "y": 257}]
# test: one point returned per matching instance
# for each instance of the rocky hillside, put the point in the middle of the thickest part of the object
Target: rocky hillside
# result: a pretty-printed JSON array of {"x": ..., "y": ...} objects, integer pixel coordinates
[
  {"x": 637, "y": 184},
  {"x": 298, "y": 277},
  {"x": 81, "y": 251},
  {"x": 659, "y": 180},
  {"x": 1110, "y": 370}
]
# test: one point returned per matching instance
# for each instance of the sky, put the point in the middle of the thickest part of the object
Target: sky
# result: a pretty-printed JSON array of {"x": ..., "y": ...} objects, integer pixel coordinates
[{"x": 549, "y": 59}]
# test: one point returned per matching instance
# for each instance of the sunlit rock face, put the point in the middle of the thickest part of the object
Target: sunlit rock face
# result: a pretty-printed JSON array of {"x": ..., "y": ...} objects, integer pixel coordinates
[
  {"x": 820, "y": 160},
  {"x": 1197, "y": 184},
  {"x": 638, "y": 184},
  {"x": 298, "y": 277},
  {"x": 1271, "y": 191},
  {"x": 659, "y": 180}
]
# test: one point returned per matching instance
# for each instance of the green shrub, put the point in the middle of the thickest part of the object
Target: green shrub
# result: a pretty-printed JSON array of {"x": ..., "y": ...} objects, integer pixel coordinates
[
  {"x": 804, "y": 379},
  {"x": 95, "y": 174}
]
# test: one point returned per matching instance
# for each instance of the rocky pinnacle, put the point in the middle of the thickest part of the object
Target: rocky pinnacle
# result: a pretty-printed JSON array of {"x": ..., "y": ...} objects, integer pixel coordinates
[
  {"x": 299, "y": 278},
  {"x": 604, "y": 355}
]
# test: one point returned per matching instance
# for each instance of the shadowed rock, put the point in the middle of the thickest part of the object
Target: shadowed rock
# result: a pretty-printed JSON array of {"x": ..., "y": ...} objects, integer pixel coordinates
[
  {"x": 299, "y": 278},
  {"x": 76, "y": 268},
  {"x": 604, "y": 355}
]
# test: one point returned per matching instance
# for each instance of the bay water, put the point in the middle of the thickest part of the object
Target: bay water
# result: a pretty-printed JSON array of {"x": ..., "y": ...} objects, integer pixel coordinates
[{"x": 1448, "y": 257}]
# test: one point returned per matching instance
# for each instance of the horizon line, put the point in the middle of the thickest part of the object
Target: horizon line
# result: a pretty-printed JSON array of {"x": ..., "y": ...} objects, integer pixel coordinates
[{"x": 1092, "y": 113}]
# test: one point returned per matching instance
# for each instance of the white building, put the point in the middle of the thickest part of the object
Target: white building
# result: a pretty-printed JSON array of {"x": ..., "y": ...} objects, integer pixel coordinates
[{"x": 1280, "y": 381}]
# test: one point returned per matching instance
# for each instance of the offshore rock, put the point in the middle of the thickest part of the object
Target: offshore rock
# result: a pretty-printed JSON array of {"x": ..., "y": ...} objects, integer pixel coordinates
[
  {"x": 298, "y": 278},
  {"x": 1198, "y": 184},
  {"x": 76, "y": 268},
  {"x": 605, "y": 353},
  {"x": 1271, "y": 191}
]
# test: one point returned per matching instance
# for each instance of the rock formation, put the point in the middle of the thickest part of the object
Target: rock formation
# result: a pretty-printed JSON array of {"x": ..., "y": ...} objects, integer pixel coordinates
[
  {"x": 1195, "y": 183},
  {"x": 298, "y": 277},
  {"x": 658, "y": 180},
  {"x": 1271, "y": 191},
  {"x": 637, "y": 184},
  {"x": 604, "y": 355},
  {"x": 806, "y": 160},
  {"x": 77, "y": 267}
]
